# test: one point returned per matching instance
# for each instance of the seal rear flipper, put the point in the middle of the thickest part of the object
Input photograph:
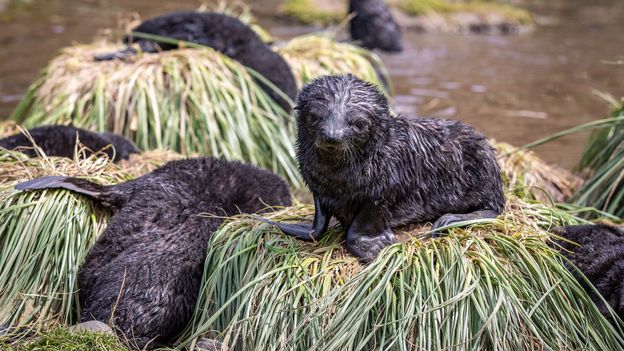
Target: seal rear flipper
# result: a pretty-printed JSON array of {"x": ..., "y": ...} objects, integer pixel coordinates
[
  {"x": 117, "y": 55},
  {"x": 451, "y": 218},
  {"x": 77, "y": 185}
]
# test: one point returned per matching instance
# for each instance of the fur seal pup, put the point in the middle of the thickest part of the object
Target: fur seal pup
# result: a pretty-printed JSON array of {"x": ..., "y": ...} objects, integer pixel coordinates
[
  {"x": 57, "y": 140},
  {"x": 374, "y": 171},
  {"x": 223, "y": 33},
  {"x": 373, "y": 25},
  {"x": 145, "y": 269},
  {"x": 598, "y": 252}
]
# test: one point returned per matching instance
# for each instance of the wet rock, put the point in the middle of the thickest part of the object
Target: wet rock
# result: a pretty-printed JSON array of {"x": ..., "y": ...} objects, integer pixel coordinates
[
  {"x": 93, "y": 326},
  {"x": 206, "y": 344}
]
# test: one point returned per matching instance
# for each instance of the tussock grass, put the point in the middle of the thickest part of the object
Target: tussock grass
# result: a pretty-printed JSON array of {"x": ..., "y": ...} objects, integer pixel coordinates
[
  {"x": 43, "y": 238},
  {"x": 7, "y": 128},
  {"x": 602, "y": 160},
  {"x": 314, "y": 55},
  {"x": 189, "y": 100},
  {"x": 45, "y": 235},
  {"x": 63, "y": 339},
  {"x": 528, "y": 176},
  {"x": 494, "y": 285}
]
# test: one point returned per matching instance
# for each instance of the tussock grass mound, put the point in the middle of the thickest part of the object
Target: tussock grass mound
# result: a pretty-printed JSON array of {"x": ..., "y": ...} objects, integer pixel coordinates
[
  {"x": 494, "y": 285},
  {"x": 602, "y": 162},
  {"x": 603, "y": 159},
  {"x": 188, "y": 100},
  {"x": 314, "y": 55},
  {"x": 45, "y": 235},
  {"x": 528, "y": 176}
]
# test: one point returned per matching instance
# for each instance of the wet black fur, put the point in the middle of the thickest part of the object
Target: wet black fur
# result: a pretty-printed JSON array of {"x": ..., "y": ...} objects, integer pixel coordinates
[
  {"x": 227, "y": 35},
  {"x": 145, "y": 269},
  {"x": 57, "y": 140},
  {"x": 599, "y": 255},
  {"x": 407, "y": 169},
  {"x": 373, "y": 25}
]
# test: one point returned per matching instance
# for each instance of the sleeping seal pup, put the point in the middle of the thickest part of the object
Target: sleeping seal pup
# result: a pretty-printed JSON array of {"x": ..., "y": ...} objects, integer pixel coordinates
[
  {"x": 374, "y": 171},
  {"x": 58, "y": 140},
  {"x": 145, "y": 269}
]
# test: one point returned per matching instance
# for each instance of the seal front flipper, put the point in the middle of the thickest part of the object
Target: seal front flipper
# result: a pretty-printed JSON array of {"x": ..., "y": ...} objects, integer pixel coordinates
[
  {"x": 307, "y": 232},
  {"x": 451, "y": 218},
  {"x": 369, "y": 233}
]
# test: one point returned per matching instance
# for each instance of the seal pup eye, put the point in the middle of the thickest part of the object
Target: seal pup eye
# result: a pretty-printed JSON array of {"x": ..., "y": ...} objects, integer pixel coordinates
[
  {"x": 360, "y": 125},
  {"x": 312, "y": 119}
]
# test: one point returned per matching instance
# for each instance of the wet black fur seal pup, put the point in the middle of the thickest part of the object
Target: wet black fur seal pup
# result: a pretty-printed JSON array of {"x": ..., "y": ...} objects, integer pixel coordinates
[
  {"x": 57, "y": 140},
  {"x": 373, "y": 25},
  {"x": 223, "y": 33},
  {"x": 146, "y": 267},
  {"x": 599, "y": 255},
  {"x": 374, "y": 171}
]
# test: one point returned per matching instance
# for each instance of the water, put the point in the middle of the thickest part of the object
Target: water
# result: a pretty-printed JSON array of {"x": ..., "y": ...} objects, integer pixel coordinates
[{"x": 512, "y": 88}]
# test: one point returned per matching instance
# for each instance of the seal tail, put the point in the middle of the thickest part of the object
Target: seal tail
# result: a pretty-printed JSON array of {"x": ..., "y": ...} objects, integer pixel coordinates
[{"x": 80, "y": 186}]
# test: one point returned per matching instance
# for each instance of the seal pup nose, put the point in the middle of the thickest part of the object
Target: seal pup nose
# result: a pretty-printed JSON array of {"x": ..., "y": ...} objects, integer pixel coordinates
[{"x": 331, "y": 139}]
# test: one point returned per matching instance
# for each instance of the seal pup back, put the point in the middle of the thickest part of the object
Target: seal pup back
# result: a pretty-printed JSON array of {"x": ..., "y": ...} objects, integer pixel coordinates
[
  {"x": 144, "y": 271},
  {"x": 374, "y": 171}
]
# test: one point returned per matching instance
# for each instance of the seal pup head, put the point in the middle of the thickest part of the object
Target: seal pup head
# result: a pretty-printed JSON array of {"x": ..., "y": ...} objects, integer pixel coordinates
[{"x": 340, "y": 116}]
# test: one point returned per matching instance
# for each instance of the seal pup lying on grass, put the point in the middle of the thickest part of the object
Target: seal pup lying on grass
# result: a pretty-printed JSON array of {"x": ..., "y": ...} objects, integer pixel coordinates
[
  {"x": 57, "y": 140},
  {"x": 598, "y": 252},
  {"x": 223, "y": 33},
  {"x": 144, "y": 272},
  {"x": 374, "y": 171}
]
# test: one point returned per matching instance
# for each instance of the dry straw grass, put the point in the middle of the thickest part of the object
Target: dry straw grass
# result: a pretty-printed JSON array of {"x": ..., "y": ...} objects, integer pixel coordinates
[
  {"x": 529, "y": 176},
  {"x": 314, "y": 55}
]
